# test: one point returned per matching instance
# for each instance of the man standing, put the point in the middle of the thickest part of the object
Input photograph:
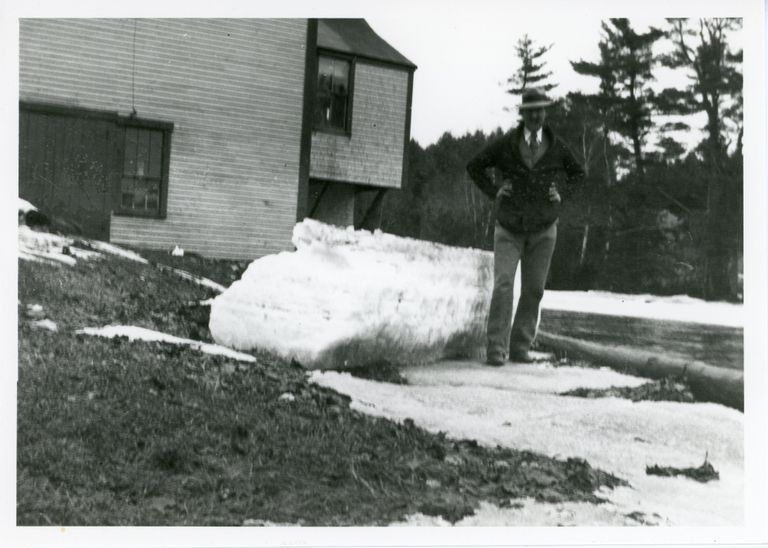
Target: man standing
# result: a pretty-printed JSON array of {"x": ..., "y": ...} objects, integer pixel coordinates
[{"x": 534, "y": 164}]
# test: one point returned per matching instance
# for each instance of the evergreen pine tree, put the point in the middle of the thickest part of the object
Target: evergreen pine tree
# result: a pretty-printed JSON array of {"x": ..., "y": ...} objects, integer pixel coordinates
[{"x": 531, "y": 72}]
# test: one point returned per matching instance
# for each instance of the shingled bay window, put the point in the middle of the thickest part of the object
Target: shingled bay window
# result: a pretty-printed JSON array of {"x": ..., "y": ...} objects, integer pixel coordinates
[
  {"x": 143, "y": 184},
  {"x": 333, "y": 102}
]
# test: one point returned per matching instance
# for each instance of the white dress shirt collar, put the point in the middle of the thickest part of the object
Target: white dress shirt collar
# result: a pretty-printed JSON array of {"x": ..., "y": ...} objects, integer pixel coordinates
[{"x": 528, "y": 132}]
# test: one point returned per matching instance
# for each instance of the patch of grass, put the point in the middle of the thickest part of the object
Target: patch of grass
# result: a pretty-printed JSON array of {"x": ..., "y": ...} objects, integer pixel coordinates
[
  {"x": 667, "y": 389},
  {"x": 116, "y": 291},
  {"x": 381, "y": 370},
  {"x": 112, "y": 432},
  {"x": 704, "y": 473}
]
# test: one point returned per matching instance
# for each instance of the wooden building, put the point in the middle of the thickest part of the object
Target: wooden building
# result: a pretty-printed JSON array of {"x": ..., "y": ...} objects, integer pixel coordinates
[{"x": 215, "y": 135}]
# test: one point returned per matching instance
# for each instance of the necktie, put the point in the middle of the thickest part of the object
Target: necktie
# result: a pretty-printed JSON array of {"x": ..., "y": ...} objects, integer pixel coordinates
[{"x": 534, "y": 143}]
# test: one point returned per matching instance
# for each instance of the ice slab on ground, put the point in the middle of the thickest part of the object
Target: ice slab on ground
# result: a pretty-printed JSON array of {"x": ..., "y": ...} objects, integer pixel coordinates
[
  {"x": 518, "y": 406},
  {"x": 348, "y": 297},
  {"x": 143, "y": 334}
]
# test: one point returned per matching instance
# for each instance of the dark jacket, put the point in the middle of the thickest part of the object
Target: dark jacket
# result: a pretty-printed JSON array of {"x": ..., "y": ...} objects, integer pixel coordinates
[{"x": 529, "y": 208}]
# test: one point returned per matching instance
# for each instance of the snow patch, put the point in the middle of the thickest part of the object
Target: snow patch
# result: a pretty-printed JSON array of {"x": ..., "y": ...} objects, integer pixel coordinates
[
  {"x": 536, "y": 377},
  {"x": 679, "y": 308},
  {"x": 205, "y": 282},
  {"x": 50, "y": 325},
  {"x": 115, "y": 250},
  {"x": 37, "y": 259},
  {"x": 24, "y": 206},
  {"x": 519, "y": 407},
  {"x": 529, "y": 513},
  {"x": 50, "y": 248},
  {"x": 140, "y": 333},
  {"x": 45, "y": 246}
]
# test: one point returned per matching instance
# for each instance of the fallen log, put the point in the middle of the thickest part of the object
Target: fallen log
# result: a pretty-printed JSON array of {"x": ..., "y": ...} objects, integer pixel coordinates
[{"x": 707, "y": 382}]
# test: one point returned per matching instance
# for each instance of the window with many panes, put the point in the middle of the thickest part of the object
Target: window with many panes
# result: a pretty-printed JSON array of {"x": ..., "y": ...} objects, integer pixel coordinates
[
  {"x": 144, "y": 171},
  {"x": 333, "y": 101}
]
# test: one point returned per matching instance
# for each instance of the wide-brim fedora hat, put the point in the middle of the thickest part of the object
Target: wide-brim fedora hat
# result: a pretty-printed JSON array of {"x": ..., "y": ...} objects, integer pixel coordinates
[{"x": 534, "y": 98}]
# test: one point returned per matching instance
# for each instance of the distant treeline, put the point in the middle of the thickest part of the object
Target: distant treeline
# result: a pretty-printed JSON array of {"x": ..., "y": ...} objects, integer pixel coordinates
[{"x": 647, "y": 218}]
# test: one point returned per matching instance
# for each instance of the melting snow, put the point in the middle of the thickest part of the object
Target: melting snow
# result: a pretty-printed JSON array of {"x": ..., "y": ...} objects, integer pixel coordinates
[
  {"x": 532, "y": 513},
  {"x": 140, "y": 333},
  {"x": 24, "y": 206},
  {"x": 47, "y": 247},
  {"x": 44, "y": 246},
  {"x": 114, "y": 250},
  {"x": 54, "y": 249},
  {"x": 517, "y": 406},
  {"x": 205, "y": 282},
  {"x": 677, "y": 308},
  {"x": 50, "y": 325}
]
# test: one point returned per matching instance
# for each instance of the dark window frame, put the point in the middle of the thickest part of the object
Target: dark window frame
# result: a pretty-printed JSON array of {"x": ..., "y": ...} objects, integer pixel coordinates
[
  {"x": 352, "y": 60},
  {"x": 167, "y": 129}
]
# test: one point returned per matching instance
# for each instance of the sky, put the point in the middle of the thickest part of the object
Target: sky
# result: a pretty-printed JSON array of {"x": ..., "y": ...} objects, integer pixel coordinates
[{"x": 467, "y": 55}]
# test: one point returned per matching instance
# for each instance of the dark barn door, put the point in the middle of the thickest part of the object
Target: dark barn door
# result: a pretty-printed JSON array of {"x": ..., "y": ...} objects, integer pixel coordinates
[{"x": 69, "y": 164}]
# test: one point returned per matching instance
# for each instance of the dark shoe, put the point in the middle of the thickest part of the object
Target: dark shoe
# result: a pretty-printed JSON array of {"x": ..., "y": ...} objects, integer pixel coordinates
[
  {"x": 521, "y": 357},
  {"x": 495, "y": 360}
]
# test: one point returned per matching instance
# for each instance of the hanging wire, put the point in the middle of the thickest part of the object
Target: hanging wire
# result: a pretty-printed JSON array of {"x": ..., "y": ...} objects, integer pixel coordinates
[{"x": 133, "y": 71}]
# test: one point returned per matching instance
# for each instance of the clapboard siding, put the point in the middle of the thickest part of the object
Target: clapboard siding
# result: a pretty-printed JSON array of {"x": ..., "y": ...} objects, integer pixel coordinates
[
  {"x": 373, "y": 153},
  {"x": 233, "y": 89}
]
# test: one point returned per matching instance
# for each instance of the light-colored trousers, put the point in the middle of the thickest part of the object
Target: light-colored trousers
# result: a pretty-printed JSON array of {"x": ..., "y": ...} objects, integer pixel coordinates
[{"x": 534, "y": 253}]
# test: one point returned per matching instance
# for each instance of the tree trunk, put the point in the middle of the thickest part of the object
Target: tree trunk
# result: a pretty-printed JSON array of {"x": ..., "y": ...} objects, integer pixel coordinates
[
  {"x": 584, "y": 241},
  {"x": 638, "y": 157},
  {"x": 585, "y": 238},
  {"x": 609, "y": 167},
  {"x": 716, "y": 244},
  {"x": 707, "y": 382}
]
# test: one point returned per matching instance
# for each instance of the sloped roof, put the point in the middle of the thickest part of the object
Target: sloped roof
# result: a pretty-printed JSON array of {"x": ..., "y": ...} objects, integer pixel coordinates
[{"x": 356, "y": 37}]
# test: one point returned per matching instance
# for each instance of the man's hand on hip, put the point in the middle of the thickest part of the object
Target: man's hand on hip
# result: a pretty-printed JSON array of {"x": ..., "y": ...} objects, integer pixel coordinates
[{"x": 505, "y": 191}]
